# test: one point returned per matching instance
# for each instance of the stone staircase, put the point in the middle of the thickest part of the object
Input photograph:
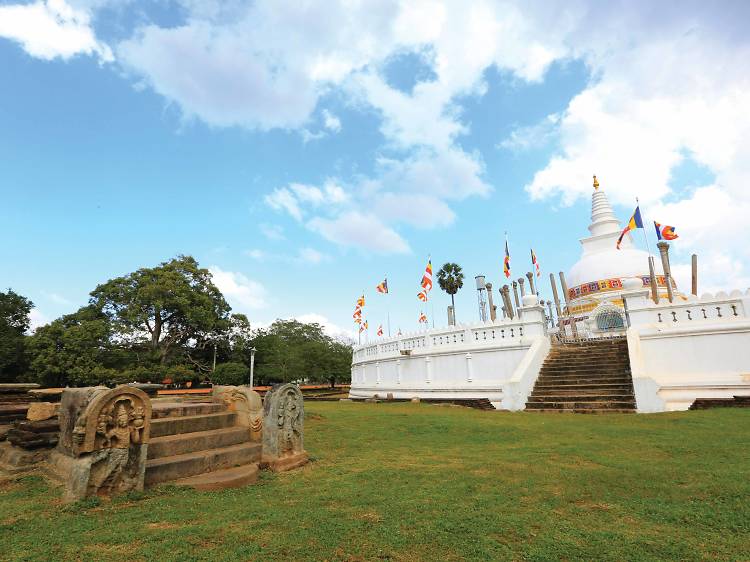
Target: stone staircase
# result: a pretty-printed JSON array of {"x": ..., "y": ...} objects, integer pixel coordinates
[
  {"x": 200, "y": 444},
  {"x": 591, "y": 377}
]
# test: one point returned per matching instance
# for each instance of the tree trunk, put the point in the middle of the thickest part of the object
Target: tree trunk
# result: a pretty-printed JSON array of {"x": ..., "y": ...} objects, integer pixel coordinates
[{"x": 453, "y": 305}]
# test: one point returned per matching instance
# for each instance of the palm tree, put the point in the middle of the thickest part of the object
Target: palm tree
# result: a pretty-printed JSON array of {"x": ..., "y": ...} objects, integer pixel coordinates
[{"x": 451, "y": 279}]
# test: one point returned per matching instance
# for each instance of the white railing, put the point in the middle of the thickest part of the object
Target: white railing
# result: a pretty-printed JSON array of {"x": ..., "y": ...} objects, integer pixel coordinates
[{"x": 689, "y": 309}]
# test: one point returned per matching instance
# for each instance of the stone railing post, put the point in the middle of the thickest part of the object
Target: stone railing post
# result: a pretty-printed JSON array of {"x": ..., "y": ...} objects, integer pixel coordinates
[
  {"x": 530, "y": 277},
  {"x": 490, "y": 300},
  {"x": 283, "y": 428},
  {"x": 664, "y": 251}
]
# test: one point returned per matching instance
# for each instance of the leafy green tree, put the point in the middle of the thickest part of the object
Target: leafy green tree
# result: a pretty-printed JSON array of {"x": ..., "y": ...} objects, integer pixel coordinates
[
  {"x": 167, "y": 307},
  {"x": 74, "y": 350},
  {"x": 14, "y": 323},
  {"x": 451, "y": 279},
  {"x": 230, "y": 373}
]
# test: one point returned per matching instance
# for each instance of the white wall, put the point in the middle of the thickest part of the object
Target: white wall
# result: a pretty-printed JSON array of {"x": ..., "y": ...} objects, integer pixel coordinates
[{"x": 457, "y": 362}]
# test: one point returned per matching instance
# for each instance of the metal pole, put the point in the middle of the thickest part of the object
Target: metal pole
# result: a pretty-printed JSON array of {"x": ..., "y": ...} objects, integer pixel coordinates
[
  {"x": 695, "y": 274},
  {"x": 214, "y": 367},
  {"x": 252, "y": 365}
]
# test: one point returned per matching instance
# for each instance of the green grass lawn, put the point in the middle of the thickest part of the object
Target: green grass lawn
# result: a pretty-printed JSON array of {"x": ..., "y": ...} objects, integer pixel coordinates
[{"x": 423, "y": 482}]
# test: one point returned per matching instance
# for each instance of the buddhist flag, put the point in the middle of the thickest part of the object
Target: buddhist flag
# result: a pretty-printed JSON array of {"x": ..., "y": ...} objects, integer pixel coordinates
[
  {"x": 535, "y": 263},
  {"x": 383, "y": 287},
  {"x": 422, "y": 295},
  {"x": 427, "y": 277},
  {"x": 380, "y": 330},
  {"x": 361, "y": 301},
  {"x": 506, "y": 261},
  {"x": 422, "y": 318},
  {"x": 635, "y": 222},
  {"x": 664, "y": 232},
  {"x": 364, "y": 326}
]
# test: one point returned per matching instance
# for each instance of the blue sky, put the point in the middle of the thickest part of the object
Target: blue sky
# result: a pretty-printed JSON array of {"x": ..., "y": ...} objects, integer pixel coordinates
[{"x": 302, "y": 153}]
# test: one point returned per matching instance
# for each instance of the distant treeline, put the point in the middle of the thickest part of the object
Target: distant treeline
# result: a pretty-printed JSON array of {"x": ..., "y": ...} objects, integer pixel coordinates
[{"x": 165, "y": 323}]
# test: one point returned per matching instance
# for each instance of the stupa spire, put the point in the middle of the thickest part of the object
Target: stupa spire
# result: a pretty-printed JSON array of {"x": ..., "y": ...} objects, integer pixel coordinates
[{"x": 603, "y": 219}]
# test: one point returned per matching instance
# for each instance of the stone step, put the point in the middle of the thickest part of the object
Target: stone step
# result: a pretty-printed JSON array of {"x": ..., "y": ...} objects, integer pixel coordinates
[
  {"x": 190, "y": 424},
  {"x": 581, "y": 405},
  {"x": 236, "y": 477},
  {"x": 182, "y": 409},
  {"x": 557, "y": 370},
  {"x": 182, "y": 443},
  {"x": 578, "y": 387},
  {"x": 594, "y": 379},
  {"x": 585, "y": 361},
  {"x": 598, "y": 397},
  {"x": 177, "y": 467},
  {"x": 586, "y": 411}
]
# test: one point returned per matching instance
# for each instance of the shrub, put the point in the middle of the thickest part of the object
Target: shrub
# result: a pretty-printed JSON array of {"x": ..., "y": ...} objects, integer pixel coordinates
[{"x": 230, "y": 374}]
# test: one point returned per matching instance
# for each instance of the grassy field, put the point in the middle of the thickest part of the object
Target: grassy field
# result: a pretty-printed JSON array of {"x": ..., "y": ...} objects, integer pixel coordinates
[{"x": 423, "y": 482}]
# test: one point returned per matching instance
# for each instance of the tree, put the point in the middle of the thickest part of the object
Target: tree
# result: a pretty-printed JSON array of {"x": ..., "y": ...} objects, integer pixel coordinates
[
  {"x": 451, "y": 279},
  {"x": 169, "y": 307},
  {"x": 230, "y": 373},
  {"x": 74, "y": 350},
  {"x": 14, "y": 323}
]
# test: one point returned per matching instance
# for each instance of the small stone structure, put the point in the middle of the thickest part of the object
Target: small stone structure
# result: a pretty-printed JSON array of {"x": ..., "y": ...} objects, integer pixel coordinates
[
  {"x": 283, "y": 425},
  {"x": 248, "y": 405},
  {"x": 104, "y": 436}
]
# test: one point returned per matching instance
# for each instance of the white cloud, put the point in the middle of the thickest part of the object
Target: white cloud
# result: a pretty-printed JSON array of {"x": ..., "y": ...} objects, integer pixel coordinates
[
  {"x": 271, "y": 231},
  {"x": 311, "y": 256},
  {"x": 37, "y": 318},
  {"x": 331, "y": 122},
  {"x": 329, "y": 327},
  {"x": 532, "y": 136},
  {"x": 242, "y": 293},
  {"x": 255, "y": 254},
  {"x": 356, "y": 229},
  {"x": 282, "y": 199},
  {"x": 57, "y": 299},
  {"x": 52, "y": 29}
]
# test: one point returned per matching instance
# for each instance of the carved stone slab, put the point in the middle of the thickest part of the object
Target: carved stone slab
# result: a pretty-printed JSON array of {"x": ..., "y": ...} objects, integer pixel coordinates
[
  {"x": 103, "y": 443},
  {"x": 283, "y": 428},
  {"x": 246, "y": 403}
]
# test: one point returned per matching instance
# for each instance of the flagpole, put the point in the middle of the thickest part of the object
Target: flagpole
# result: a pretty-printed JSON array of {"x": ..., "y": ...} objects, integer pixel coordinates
[
  {"x": 638, "y": 206},
  {"x": 387, "y": 305}
]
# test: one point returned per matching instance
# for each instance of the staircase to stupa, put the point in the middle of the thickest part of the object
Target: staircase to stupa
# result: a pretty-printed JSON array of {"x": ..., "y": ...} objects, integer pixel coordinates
[
  {"x": 200, "y": 444},
  {"x": 591, "y": 377}
]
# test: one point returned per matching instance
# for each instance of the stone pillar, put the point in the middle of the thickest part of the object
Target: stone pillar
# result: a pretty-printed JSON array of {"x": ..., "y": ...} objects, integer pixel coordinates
[
  {"x": 521, "y": 281},
  {"x": 515, "y": 295},
  {"x": 530, "y": 277},
  {"x": 508, "y": 304},
  {"x": 283, "y": 428},
  {"x": 490, "y": 300},
  {"x": 652, "y": 277},
  {"x": 564, "y": 289},
  {"x": 551, "y": 316},
  {"x": 104, "y": 435},
  {"x": 246, "y": 403},
  {"x": 469, "y": 368},
  {"x": 694, "y": 264},
  {"x": 428, "y": 369},
  {"x": 556, "y": 297},
  {"x": 398, "y": 371},
  {"x": 664, "y": 251}
]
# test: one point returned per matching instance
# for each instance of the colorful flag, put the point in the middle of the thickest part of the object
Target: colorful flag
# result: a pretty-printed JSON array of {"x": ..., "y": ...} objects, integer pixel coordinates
[
  {"x": 634, "y": 222},
  {"x": 535, "y": 262},
  {"x": 422, "y": 318},
  {"x": 664, "y": 232},
  {"x": 427, "y": 277},
  {"x": 422, "y": 295},
  {"x": 399, "y": 331},
  {"x": 380, "y": 330},
  {"x": 363, "y": 326},
  {"x": 506, "y": 261},
  {"x": 383, "y": 287},
  {"x": 361, "y": 301}
]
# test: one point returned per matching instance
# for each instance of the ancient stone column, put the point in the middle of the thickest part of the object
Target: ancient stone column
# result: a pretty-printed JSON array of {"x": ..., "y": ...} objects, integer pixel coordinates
[
  {"x": 530, "y": 277},
  {"x": 508, "y": 304},
  {"x": 551, "y": 316},
  {"x": 521, "y": 281},
  {"x": 652, "y": 277},
  {"x": 515, "y": 295},
  {"x": 694, "y": 264},
  {"x": 564, "y": 288},
  {"x": 283, "y": 428},
  {"x": 555, "y": 296},
  {"x": 664, "y": 251},
  {"x": 493, "y": 308}
]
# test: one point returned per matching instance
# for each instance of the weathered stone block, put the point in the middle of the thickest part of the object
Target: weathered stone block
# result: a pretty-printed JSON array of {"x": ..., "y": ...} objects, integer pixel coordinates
[
  {"x": 246, "y": 403},
  {"x": 39, "y": 411},
  {"x": 283, "y": 428}
]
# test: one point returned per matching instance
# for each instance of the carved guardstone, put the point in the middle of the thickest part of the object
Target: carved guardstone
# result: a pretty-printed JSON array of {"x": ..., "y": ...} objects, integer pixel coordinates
[
  {"x": 104, "y": 436},
  {"x": 284, "y": 417},
  {"x": 246, "y": 403}
]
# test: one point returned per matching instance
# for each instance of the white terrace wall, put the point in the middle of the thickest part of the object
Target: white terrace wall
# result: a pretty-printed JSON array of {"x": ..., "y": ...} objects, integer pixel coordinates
[
  {"x": 699, "y": 348},
  {"x": 499, "y": 361}
]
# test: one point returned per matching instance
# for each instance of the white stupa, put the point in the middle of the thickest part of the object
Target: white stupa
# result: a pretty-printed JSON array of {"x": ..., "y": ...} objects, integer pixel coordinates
[{"x": 603, "y": 269}]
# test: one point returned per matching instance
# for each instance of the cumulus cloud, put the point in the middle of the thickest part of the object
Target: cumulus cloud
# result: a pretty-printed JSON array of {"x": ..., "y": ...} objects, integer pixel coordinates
[
  {"x": 360, "y": 230},
  {"x": 51, "y": 29},
  {"x": 37, "y": 319},
  {"x": 331, "y": 329},
  {"x": 242, "y": 293}
]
